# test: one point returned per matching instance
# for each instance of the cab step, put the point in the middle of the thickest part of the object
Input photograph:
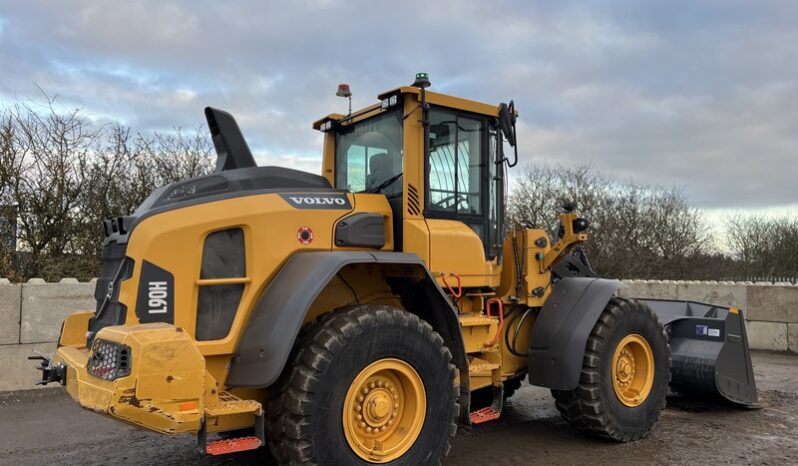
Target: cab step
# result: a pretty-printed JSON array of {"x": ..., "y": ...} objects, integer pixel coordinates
[
  {"x": 484, "y": 415},
  {"x": 233, "y": 445},
  {"x": 492, "y": 412}
]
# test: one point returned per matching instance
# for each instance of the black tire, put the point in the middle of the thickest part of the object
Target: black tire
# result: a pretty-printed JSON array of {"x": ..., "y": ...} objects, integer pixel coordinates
[
  {"x": 304, "y": 413},
  {"x": 593, "y": 405}
]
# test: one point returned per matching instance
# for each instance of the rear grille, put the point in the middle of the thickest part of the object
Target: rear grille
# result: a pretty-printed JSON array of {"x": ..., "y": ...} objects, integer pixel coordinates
[{"x": 109, "y": 361}]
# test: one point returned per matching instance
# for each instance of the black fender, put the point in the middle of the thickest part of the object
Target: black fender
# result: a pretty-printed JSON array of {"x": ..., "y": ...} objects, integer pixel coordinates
[
  {"x": 560, "y": 334},
  {"x": 277, "y": 317}
]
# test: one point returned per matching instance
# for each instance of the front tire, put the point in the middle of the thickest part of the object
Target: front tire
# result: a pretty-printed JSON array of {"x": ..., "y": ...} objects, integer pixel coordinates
[
  {"x": 625, "y": 375},
  {"x": 365, "y": 385}
]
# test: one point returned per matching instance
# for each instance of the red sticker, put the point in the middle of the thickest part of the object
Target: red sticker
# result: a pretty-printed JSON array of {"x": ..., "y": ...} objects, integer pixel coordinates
[{"x": 304, "y": 235}]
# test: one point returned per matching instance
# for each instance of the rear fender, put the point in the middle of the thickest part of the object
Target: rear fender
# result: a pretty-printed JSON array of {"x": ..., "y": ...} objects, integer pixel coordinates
[
  {"x": 278, "y": 316},
  {"x": 560, "y": 334}
]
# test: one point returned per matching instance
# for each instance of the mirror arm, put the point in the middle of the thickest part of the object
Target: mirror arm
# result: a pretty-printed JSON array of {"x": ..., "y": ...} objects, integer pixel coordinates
[{"x": 515, "y": 159}]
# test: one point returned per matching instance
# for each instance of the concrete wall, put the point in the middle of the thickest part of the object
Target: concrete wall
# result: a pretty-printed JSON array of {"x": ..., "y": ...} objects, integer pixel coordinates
[
  {"x": 771, "y": 311},
  {"x": 31, "y": 315},
  {"x": 30, "y": 320}
]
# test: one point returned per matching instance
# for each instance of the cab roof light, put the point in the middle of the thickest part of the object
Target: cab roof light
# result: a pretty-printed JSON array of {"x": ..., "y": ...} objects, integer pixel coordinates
[
  {"x": 325, "y": 126},
  {"x": 389, "y": 102},
  {"x": 344, "y": 91}
]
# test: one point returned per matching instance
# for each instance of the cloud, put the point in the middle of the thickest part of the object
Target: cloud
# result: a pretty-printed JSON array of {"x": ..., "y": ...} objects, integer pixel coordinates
[{"x": 699, "y": 94}]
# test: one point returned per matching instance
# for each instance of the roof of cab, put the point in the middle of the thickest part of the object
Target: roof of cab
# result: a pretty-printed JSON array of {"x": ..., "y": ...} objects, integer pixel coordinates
[{"x": 433, "y": 98}]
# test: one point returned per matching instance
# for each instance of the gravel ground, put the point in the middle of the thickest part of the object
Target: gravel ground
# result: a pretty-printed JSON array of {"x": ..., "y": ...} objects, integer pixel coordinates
[{"x": 44, "y": 426}]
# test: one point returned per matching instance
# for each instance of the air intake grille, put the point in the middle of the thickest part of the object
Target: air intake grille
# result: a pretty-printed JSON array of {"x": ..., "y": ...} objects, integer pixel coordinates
[{"x": 412, "y": 200}]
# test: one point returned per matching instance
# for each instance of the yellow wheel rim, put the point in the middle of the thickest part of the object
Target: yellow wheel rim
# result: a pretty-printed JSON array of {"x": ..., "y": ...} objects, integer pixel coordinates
[
  {"x": 633, "y": 370},
  {"x": 384, "y": 410}
]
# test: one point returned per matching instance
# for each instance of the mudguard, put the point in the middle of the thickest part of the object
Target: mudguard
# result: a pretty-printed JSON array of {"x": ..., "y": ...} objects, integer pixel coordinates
[
  {"x": 561, "y": 331},
  {"x": 270, "y": 334}
]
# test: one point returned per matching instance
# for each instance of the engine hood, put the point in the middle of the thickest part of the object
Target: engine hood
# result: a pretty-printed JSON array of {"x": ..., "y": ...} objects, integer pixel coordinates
[{"x": 301, "y": 189}]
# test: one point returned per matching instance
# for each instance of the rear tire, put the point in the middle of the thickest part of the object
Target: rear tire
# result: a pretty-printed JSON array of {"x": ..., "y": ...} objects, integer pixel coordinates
[
  {"x": 335, "y": 358},
  {"x": 616, "y": 399}
]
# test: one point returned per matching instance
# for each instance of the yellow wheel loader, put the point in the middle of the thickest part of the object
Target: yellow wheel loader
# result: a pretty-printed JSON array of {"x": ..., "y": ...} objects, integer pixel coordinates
[{"x": 359, "y": 316}]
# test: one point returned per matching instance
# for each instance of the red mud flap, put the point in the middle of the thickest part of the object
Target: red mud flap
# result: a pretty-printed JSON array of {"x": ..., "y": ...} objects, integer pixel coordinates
[
  {"x": 233, "y": 445},
  {"x": 484, "y": 415}
]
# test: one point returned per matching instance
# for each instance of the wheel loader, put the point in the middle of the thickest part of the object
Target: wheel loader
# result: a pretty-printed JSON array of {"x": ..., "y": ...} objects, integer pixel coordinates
[{"x": 360, "y": 316}]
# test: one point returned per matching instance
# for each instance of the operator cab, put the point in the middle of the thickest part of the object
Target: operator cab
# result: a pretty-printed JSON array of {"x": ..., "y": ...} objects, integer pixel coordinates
[{"x": 439, "y": 161}]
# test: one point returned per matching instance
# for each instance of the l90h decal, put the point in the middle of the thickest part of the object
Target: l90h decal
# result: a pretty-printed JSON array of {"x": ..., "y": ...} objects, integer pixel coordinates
[
  {"x": 155, "y": 301},
  {"x": 337, "y": 201}
]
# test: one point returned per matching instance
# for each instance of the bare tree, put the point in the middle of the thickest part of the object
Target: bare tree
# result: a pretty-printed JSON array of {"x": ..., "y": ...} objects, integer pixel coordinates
[
  {"x": 764, "y": 247},
  {"x": 61, "y": 175},
  {"x": 637, "y": 230}
]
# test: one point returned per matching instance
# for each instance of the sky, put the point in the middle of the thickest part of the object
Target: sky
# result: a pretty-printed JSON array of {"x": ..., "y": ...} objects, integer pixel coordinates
[{"x": 700, "y": 94}]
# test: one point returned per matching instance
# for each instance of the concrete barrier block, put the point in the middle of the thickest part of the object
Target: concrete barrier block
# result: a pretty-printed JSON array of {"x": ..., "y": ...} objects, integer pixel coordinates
[
  {"x": 44, "y": 307},
  {"x": 792, "y": 337},
  {"x": 767, "y": 335},
  {"x": 773, "y": 303},
  {"x": 18, "y": 372},
  {"x": 9, "y": 313},
  {"x": 650, "y": 289},
  {"x": 721, "y": 295}
]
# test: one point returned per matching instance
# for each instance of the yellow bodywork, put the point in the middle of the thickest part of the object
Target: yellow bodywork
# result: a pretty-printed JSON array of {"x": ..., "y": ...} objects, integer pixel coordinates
[{"x": 177, "y": 381}]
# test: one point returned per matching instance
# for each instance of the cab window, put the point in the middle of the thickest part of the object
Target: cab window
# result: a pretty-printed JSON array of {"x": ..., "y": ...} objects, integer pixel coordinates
[
  {"x": 455, "y": 164},
  {"x": 368, "y": 155}
]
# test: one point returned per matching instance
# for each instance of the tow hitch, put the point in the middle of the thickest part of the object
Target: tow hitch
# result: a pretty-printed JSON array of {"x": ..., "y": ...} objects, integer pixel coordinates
[{"x": 50, "y": 373}]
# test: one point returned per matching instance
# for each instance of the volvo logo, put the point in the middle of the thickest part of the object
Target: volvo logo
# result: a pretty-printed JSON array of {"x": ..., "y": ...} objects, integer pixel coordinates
[{"x": 318, "y": 201}]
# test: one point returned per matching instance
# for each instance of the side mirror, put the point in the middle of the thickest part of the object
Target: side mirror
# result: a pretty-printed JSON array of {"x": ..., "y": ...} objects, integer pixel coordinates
[
  {"x": 507, "y": 121},
  {"x": 507, "y": 125}
]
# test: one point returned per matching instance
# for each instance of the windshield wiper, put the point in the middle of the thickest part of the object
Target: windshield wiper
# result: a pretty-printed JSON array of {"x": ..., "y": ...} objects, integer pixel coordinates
[{"x": 384, "y": 184}]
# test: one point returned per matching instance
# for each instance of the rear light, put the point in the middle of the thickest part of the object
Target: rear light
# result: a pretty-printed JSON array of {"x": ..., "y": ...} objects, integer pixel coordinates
[{"x": 109, "y": 360}]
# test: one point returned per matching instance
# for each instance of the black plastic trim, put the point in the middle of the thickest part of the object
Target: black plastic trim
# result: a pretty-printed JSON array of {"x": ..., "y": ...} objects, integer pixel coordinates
[
  {"x": 364, "y": 229},
  {"x": 560, "y": 334}
]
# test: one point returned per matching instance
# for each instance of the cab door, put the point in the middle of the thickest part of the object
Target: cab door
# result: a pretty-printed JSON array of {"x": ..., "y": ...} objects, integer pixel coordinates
[{"x": 461, "y": 192}]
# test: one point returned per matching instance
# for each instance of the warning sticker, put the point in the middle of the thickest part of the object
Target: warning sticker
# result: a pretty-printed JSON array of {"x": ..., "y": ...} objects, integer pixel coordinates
[
  {"x": 701, "y": 329},
  {"x": 714, "y": 332}
]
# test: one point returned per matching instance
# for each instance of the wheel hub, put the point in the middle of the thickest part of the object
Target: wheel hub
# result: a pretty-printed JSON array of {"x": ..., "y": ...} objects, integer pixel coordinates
[
  {"x": 377, "y": 406},
  {"x": 633, "y": 370},
  {"x": 384, "y": 410}
]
